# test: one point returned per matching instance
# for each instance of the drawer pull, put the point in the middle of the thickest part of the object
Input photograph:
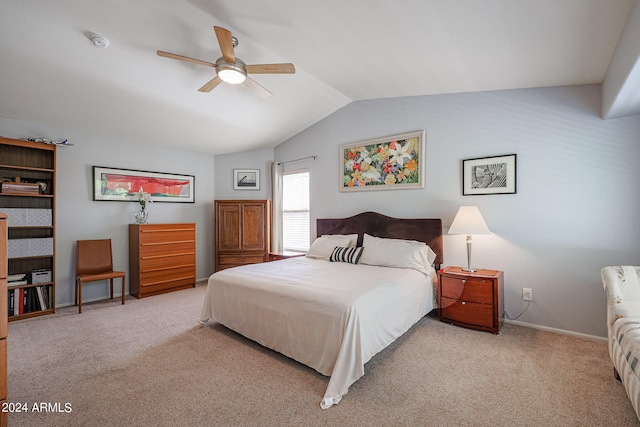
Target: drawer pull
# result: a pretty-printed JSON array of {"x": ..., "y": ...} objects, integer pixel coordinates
[
  {"x": 464, "y": 280},
  {"x": 463, "y": 302}
]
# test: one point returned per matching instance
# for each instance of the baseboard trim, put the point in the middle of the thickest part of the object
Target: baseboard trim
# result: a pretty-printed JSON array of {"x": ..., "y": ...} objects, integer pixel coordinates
[
  {"x": 116, "y": 297},
  {"x": 557, "y": 331}
]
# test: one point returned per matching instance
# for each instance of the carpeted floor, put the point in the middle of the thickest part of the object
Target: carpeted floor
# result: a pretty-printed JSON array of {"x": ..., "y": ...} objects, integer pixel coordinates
[{"x": 150, "y": 363}]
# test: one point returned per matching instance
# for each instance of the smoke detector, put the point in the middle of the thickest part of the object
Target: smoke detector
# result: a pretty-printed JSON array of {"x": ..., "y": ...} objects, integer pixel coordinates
[{"x": 99, "y": 41}]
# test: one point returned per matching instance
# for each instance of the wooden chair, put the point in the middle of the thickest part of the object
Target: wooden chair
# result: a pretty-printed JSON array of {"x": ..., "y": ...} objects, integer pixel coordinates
[{"x": 94, "y": 262}]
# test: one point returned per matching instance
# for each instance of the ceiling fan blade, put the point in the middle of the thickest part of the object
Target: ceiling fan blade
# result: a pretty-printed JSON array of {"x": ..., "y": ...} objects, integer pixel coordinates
[
  {"x": 226, "y": 44},
  {"x": 271, "y": 69},
  {"x": 185, "y": 58},
  {"x": 257, "y": 88},
  {"x": 211, "y": 84}
]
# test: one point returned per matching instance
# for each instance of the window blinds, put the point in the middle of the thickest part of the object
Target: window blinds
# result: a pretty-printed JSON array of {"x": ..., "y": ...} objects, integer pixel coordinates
[{"x": 295, "y": 212}]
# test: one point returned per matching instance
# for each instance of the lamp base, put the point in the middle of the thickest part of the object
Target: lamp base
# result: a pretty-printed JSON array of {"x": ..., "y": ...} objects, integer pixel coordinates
[{"x": 469, "y": 269}]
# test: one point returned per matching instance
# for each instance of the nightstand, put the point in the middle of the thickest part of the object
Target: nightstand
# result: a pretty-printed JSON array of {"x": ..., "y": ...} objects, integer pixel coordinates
[
  {"x": 275, "y": 256},
  {"x": 471, "y": 299}
]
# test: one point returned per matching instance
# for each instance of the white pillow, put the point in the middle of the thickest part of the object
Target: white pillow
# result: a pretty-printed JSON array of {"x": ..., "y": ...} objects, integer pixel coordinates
[
  {"x": 324, "y": 245},
  {"x": 397, "y": 253}
]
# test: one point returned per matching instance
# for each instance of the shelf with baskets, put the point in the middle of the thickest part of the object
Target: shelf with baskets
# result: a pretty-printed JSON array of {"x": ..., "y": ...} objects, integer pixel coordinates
[{"x": 27, "y": 197}]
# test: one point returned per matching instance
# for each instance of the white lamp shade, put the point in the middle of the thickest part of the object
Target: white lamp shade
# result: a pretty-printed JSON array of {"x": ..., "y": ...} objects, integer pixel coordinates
[{"x": 469, "y": 221}]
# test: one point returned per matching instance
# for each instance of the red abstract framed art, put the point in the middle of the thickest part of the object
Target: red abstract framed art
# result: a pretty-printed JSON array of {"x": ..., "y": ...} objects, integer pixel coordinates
[{"x": 123, "y": 184}]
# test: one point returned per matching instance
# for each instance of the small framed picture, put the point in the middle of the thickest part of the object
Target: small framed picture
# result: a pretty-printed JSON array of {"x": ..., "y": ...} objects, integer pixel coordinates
[
  {"x": 489, "y": 175},
  {"x": 246, "y": 179}
]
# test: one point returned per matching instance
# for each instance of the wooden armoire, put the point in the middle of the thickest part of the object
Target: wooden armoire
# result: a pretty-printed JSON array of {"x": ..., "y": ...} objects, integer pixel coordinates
[{"x": 241, "y": 232}]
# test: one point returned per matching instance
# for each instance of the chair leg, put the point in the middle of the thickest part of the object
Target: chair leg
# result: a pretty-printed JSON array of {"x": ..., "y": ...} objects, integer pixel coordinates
[
  {"x": 123, "y": 277},
  {"x": 79, "y": 296},
  {"x": 111, "y": 286}
]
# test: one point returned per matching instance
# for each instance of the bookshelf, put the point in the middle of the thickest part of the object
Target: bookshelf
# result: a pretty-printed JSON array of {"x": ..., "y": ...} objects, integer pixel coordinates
[{"x": 27, "y": 197}]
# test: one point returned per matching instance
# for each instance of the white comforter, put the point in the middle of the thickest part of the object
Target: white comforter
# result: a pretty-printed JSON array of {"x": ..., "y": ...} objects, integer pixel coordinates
[{"x": 330, "y": 316}]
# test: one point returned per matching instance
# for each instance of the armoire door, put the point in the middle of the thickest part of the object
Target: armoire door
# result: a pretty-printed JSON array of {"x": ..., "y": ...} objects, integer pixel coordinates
[
  {"x": 228, "y": 224},
  {"x": 253, "y": 227}
]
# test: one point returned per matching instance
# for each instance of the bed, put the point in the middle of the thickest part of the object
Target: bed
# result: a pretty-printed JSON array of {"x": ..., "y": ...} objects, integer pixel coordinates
[{"x": 335, "y": 316}]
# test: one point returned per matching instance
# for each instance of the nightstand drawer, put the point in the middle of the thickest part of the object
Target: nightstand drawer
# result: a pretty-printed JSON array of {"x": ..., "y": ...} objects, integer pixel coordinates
[
  {"x": 467, "y": 312},
  {"x": 467, "y": 289}
]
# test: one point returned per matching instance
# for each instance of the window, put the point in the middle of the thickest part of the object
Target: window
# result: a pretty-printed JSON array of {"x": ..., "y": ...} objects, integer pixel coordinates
[{"x": 295, "y": 211}]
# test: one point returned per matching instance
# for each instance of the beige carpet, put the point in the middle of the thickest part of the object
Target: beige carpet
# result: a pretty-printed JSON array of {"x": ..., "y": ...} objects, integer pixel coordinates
[{"x": 148, "y": 363}]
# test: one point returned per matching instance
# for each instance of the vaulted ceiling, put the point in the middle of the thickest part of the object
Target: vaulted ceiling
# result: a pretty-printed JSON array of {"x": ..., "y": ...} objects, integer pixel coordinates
[{"x": 343, "y": 51}]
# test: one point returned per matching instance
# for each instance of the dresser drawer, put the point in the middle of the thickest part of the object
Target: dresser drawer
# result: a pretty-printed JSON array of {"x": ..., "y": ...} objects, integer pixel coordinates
[
  {"x": 161, "y": 276},
  {"x": 167, "y": 248},
  {"x": 166, "y": 285},
  {"x": 4, "y": 416},
  {"x": 167, "y": 262},
  {"x": 3, "y": 309},
  {"x": 467, "y": 312},
  {"x": 3, "y": 369},
  {"x": 171, "y": 235},
  {"x": 234, "y": 260},
  {"x": 467, "y": 289}
]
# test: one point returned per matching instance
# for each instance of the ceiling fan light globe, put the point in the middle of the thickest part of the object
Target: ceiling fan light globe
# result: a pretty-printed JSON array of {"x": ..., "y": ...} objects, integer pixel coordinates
[
  {"x": 234, "y": 73},
  {"x": 232, "y": 76}
]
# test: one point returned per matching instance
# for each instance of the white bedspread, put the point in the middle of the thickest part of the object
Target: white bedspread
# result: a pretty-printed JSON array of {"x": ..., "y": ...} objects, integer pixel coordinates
[{"x": 330, "y": 316}]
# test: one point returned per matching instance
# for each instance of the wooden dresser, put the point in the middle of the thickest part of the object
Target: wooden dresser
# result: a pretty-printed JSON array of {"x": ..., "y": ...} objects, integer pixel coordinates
[
  {"x": 241, "y": 232},
  {"x": 3, "y": 317},
  {"x": 162, "y": 258}
]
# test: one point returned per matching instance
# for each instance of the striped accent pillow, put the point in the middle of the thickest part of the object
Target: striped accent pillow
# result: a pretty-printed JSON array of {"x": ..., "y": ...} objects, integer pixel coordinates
[{"x": 350, "y": 254}]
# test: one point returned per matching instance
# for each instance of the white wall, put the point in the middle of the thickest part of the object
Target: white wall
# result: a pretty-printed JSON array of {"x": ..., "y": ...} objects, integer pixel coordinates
[
  {"x": 78, "y": 217},
  {"x": 577, "y": 203},
  {"x": 225, "y": 164}
]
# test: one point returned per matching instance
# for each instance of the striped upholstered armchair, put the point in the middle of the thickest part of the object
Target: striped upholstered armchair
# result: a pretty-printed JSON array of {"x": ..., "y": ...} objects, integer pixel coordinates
[{"x": 622, "y": 287}]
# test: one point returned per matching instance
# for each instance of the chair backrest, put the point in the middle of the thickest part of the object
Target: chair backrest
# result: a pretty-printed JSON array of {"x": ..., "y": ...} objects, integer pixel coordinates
[
  {"x": 93, "y": 256},
  {"x": 622, "y": 282}
]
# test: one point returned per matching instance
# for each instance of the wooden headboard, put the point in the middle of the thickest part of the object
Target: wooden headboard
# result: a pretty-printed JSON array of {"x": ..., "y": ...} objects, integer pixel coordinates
[{"x": 428, "y": 230}]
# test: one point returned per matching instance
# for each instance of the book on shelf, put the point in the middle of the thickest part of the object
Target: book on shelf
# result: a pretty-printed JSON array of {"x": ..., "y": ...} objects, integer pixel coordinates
[
  {"x": 17, "y": 277},
  {"x": 19, "y": 308},
  {"x": 26, "y": 300},
  {"x": 40, "y": 294},
  {"x": 11, "y": 302},
  {"x": 45, "y": 291},
  {"x": 31, "y": 300},
  {"x": 14, "y": 283}
]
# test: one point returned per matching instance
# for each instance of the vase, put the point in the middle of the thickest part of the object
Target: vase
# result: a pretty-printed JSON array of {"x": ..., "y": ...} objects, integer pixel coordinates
[{"x": 141, "y": 217}]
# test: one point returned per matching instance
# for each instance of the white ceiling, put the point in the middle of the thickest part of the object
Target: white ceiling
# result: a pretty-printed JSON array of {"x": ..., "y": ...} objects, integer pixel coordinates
[{"x": 343, "y": 51}]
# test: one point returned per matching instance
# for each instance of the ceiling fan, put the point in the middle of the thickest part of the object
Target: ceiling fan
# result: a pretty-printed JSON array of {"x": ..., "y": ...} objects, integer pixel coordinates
[{"x": 231, "y": 69}]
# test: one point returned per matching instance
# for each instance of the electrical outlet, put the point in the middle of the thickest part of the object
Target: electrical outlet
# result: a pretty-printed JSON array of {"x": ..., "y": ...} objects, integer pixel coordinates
[{"x": 527, "y": 294}]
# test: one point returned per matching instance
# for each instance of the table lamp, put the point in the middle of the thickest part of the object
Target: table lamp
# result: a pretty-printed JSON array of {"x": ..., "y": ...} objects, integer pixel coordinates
[{"x": 469, "y": 221}]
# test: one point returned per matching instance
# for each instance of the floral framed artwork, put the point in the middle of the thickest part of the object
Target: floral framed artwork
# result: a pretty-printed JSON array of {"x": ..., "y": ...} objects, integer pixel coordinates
[
  {"x": 124, "y": 185},
  {"x": 246, "y": 179},
  {"x": 390, "y": 163},
  {"x": 489, "y": 175}
]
